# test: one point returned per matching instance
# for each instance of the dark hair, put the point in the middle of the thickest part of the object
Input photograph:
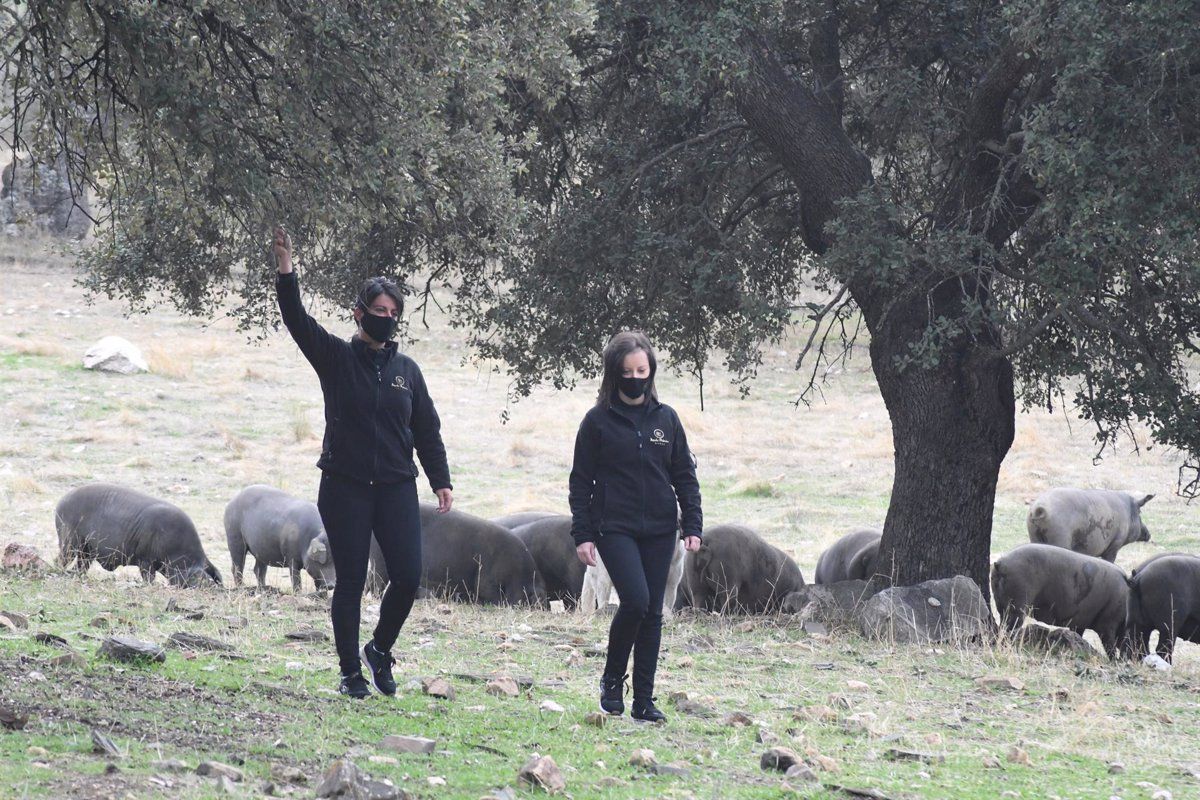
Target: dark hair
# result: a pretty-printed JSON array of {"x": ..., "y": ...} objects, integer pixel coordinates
[
  {"x": 619, "y": 346},
  {"x": 373, "y": 287}
]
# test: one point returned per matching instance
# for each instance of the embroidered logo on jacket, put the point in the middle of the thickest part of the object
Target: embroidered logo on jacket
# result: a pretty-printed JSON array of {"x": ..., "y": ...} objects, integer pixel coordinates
[
  {"x": 658, "y": 437},
  {"x": 398, "y": 382}
]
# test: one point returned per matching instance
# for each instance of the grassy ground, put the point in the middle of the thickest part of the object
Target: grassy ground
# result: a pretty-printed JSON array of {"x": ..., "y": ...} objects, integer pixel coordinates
[{"x": 218, "y": 412}]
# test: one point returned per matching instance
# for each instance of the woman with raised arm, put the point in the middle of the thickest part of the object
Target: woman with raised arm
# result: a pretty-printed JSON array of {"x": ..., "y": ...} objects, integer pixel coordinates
[
  {"x": 633, "y": 488},
  {"x": 377, "y": 410}
]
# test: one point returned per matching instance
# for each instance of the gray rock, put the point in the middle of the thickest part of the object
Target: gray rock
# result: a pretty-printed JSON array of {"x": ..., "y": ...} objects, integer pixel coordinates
[
  {"x": 22, "y": 558},
  {"x": 114, "y": 354},
  {"x": 39, "y": 196},
  {"x": 674, "y": 768},
  {"x": 194, "y": 641},
  {"x": 344, "y": 779},
  {"x": 169, "y": 765},
  {"x": 215, "y": 769},
  {"x": 833, "y": 605},
  {"x": 803, "y": 772},
  {"x": 127, "y": 648},
  {"x": 14, "y": 620},
  {"x": 896, "y": 754},
  {"x": 103, "y": 745},
  {"x": 904, "y": 615},
  {"x": 780, "y": 759},
  {"x": 542, "y": 772},
  {"x": 1056, "y": 641},
  {"x": 408, "y": 744}
]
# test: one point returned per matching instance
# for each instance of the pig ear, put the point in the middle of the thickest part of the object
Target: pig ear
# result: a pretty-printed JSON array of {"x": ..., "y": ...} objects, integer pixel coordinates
[
  {"x": 1145, "y": 500},
  {"x": 317, "y": 551}
]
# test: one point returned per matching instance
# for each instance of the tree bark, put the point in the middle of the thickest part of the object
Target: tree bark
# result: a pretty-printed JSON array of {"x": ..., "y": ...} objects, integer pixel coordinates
[{"x": 953, "y": 423}]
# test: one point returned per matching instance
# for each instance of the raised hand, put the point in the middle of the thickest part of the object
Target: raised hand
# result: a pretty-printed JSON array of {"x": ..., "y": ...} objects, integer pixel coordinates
[{"x": 282, "y": 247}]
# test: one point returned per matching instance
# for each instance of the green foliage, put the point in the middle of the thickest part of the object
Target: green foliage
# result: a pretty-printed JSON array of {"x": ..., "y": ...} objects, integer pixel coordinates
[
  {"x": 373, "y": 131},
  {"x": 571, "y": 168}
]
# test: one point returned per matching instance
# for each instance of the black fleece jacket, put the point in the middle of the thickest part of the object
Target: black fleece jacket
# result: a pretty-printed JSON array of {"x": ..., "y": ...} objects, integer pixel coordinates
[
  {"x": 377, "y": 408},
  {"x": 632, "y": 469}
]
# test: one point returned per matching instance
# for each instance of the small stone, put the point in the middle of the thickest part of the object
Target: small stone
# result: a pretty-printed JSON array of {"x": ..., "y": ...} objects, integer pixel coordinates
[
  {"x": 558, "y": 607},
  {"x": 445, "y": 608},
  {"x": 826, "y": 763},
  {"x": 68, "y": 659},
  {"x": 383, "y": 760},
  {"x": 575, "y": 658},
  {"x": 22, "y": 558},
  {"x": 802, "y": 772},
  {"x": 103, "y": 745},
  {"x": 285, "y": 773},
  {"x": 643, "y": 758},
  {"x": 766, "y": 737},
  {"x": 37, "y": 752},
  {"x": 859, "y": 686},
  {"x": 169, "y": 765},
  {"x": 817, "y": 714},
  {"x": 436, "y": 780},
  {"x": 307, "y": 635},
  {"x": 779, "y": 759},
  {"x": 196, "y": 642},
  {"x": 840, "y": 701},
  {"x": 551, "y": 707},
  {"x": 1116, "y": 768},
  {"x": 596, "y": 719},
  {"x": 737, "y": 719},
  {"x": 541, "y": 772},
  {"x": 1161, "y": 794},
  {"x": 675, "y": 768},
  {"x": 438, "y": 687},
  {"x": 1017, "y": 755},
  {"x": 127, "y": 648},
  {"x": 215, "y": 769},
  {"x": 13, "y": 621},
  {"x": 991, "y": 762},
  {"x": 408, "y": 744},
  {"x": 502, "y": 686},
  {"x": 686, "y": 662},
  {"x": 934, "y": 602},
  {"x": 896, "y": 754},
  {"x": 226, "y": 784},
  {"x": 933, "y": 738},
  {"x": 1000, "y": 682}
]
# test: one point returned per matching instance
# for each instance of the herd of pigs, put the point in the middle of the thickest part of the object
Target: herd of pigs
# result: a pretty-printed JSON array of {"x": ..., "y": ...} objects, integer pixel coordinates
[{"x": 1065, "y": 577}]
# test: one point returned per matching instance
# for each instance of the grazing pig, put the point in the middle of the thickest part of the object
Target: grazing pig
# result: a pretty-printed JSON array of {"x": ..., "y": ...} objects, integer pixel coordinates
[
  {"x": 1164, "y": 596},
  {"x": 549, "y": 541},
  {"x": 598, "y": 586},
  {"x": 522, "y": 518},
  {"x": 850, "y": 558},
  {"x": 280, "y": 531},
  {"x": 470, "y": 559},
  {"x": 1064, "y": 588},
  {"x": 116, "y": 526},
  {"x": 735, "y": 569},
  {"x": 1095, "y": 522}
]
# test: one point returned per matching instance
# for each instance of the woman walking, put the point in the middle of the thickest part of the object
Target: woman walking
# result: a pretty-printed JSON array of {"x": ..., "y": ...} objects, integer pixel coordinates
[
  {"x": 377, "y": 410},
  {"x": 633, "y": 487}
]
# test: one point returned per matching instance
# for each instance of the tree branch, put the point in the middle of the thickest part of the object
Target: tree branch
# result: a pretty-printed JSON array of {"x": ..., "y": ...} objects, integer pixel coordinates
[
  {"x": 645, "y": 166},
  {"x": 825, "y": 53}
]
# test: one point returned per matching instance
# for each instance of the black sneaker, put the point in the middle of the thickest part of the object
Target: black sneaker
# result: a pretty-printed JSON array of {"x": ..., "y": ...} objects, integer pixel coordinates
[
  {"x": 355, "y": 686},
  {"x": 379, "y": 666},
  {"x": 612, "y": 695},
  {"x": 645, "y": 711}
]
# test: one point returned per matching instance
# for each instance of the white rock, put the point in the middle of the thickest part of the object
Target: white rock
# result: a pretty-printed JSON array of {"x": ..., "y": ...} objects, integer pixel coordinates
[
  {"x": 114, "y": 354},
  {"x": 1157, "y": 661}
]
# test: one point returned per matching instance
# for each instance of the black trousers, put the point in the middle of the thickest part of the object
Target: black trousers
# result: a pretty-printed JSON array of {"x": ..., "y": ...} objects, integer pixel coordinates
[
  {"x": 351, "y": 511},
  {"x": 638, "y": 568}
]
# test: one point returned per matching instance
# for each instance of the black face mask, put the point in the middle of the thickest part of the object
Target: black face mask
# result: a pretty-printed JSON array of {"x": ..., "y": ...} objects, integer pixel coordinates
[
  {"x": 633, "y": 388},
  {"x": 381, "y": 329}
]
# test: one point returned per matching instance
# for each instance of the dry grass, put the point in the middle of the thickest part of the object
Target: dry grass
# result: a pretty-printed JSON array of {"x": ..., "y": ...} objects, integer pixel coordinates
[
  {"x": 302, "y": 429},
  {"x": 32, "y": 347}
]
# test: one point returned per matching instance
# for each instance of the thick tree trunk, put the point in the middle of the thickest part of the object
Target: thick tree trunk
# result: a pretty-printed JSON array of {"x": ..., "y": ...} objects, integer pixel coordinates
[{"x": 952, "y": 426}]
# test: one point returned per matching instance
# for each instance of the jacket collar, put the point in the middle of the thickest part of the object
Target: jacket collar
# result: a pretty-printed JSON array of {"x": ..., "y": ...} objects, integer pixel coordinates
[{"x": 363, "y": 349}]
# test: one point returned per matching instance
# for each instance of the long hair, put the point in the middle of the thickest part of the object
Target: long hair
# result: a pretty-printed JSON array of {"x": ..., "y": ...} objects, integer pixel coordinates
[{"x": 619, "y": 346}]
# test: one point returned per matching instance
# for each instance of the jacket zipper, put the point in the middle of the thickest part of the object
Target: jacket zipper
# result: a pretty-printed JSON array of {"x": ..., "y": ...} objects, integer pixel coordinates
[{"x": 375, "y": 420}]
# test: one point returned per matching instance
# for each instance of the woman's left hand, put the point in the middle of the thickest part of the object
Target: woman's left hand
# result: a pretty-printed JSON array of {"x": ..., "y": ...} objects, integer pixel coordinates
[
  {"x": 445, "y": 500},
  {"x": 691, "y": 543}
]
